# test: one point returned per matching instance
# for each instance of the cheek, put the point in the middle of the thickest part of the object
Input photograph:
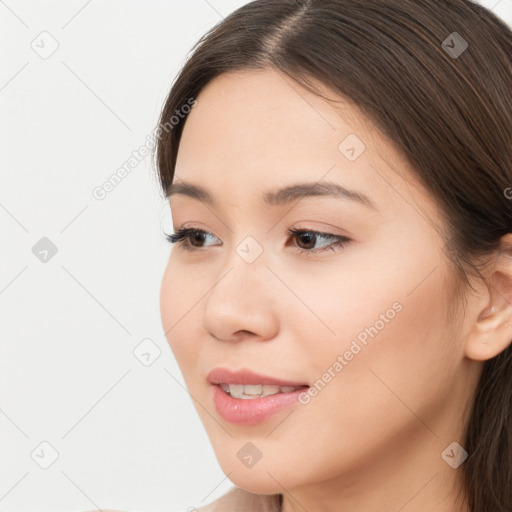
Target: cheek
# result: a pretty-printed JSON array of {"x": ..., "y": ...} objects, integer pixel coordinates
[
  {"x": 392, "y": 354},
  {"x": 178, "y": 307}
]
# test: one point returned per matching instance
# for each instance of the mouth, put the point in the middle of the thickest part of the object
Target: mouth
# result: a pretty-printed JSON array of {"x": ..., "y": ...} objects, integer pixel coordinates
[{"x": 247, "y": 398}]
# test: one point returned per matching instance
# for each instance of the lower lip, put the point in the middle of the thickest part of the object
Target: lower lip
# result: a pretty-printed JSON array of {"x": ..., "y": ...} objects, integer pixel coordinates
[{"x": 251, "y": 411}]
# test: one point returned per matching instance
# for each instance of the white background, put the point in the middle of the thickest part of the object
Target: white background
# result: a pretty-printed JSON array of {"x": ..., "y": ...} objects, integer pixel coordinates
[{"x": 126, "y": 434}]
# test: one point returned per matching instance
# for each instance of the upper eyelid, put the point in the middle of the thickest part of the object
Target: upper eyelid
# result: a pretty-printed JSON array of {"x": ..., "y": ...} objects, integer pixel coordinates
[{"x": 294, "y": 230}]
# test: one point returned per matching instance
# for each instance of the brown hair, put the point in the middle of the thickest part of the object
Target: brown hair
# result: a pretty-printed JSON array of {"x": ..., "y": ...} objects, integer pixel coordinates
[{"x": 445, "y": 106}]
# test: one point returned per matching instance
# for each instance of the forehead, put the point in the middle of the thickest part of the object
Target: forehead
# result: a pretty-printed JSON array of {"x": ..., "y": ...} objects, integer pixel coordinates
[{"x": 266, "y": 106}]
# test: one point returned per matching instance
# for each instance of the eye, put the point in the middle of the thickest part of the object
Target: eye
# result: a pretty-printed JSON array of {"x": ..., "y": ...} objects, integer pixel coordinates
[
  {"x": 189, "y": 237},
  {"x": 308, "y": 237},
  {"x": 186, "y": 236}
]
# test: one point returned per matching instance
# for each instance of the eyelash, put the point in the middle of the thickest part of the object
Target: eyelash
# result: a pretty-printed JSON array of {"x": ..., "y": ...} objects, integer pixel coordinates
[{"x": 182, "y": 237}]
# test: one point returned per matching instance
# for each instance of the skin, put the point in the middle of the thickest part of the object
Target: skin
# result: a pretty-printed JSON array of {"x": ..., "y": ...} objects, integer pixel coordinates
[{"x": 372, "y": 438}]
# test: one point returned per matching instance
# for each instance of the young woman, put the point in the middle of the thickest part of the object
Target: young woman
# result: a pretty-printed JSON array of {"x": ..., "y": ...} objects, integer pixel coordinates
[{"x": 338, "y": 295}]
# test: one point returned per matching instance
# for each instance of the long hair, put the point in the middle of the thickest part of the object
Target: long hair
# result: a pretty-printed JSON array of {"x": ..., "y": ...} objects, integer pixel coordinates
[{"x": 433, "y": 76}]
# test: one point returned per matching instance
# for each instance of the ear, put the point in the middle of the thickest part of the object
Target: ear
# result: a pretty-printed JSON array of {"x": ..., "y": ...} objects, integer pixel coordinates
[{"x": 491, "y": 332}]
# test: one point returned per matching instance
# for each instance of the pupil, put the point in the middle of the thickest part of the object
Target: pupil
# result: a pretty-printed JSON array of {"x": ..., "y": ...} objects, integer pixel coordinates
[
  {"x": 311, "y": 238},
  {"x": 197, "y": 236}
]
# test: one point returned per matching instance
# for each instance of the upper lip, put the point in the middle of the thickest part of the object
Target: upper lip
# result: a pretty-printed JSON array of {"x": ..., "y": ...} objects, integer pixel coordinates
[{"x": 225, "y": 376}]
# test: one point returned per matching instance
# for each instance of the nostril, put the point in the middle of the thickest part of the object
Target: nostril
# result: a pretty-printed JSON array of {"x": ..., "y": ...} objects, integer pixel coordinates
[
  {"x": 243, "y": 332},
  {"x": 238, "y": 335}
]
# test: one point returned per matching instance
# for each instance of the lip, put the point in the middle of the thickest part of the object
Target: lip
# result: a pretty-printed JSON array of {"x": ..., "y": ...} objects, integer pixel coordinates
[
  {"x": 250, "y": 411},
  {"x": 226, "y": 376}
]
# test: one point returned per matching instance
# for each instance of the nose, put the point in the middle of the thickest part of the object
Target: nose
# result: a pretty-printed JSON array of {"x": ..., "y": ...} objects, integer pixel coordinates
[{"x": 241, "y": 303}]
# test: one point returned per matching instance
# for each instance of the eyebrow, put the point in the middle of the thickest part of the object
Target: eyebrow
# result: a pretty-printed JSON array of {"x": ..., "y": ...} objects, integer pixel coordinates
[{"x": 279, "y": 197}]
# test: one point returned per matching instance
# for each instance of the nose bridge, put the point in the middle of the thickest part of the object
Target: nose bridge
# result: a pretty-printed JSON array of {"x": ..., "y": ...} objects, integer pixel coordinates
[{"x": 250, "y": 250}]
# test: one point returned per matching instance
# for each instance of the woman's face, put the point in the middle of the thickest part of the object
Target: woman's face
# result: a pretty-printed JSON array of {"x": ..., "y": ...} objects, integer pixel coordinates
[{"x": 361, "y": 318}]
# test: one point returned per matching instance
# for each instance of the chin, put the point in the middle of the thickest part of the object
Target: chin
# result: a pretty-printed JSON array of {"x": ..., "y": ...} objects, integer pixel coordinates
[
  {"x": 257, "y": 483},
  {"x": 265, "y": 477}
]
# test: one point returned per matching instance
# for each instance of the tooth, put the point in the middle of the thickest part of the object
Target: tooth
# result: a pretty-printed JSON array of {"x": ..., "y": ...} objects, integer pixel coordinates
[
  {"x": 288, "y": 389},
  {"x": 252, "y": 389},
  {"x": 236, "y": 390},
  {"x": 270, "y": 390}
]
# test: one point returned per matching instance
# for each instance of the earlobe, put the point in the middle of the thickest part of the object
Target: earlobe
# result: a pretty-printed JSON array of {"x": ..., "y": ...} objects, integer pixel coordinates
[{"x": 491, "y": 332}]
